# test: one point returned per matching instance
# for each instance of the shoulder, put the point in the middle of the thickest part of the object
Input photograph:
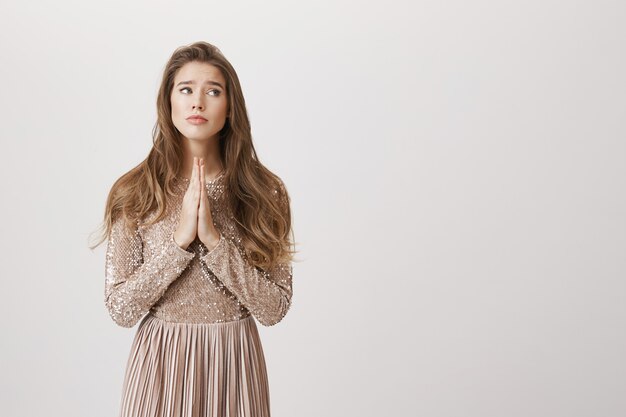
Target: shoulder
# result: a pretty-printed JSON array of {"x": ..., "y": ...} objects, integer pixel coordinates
[
  {"x": 281, "y": 197},
  {"x": 279, "y": 191}
]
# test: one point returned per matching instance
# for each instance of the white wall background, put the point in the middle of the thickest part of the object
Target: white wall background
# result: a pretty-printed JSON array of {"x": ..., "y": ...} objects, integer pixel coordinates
[{"x": 457, "y": 174}]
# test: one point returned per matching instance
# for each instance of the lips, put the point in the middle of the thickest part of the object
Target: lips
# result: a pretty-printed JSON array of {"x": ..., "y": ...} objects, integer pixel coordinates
[{"x": 196, "y": 120}]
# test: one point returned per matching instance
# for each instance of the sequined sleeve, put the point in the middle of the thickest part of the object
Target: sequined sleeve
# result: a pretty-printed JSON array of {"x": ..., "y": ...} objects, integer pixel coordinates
[
  {"x": 133, "y": 284},
  {"x": 267, "y": 294}
]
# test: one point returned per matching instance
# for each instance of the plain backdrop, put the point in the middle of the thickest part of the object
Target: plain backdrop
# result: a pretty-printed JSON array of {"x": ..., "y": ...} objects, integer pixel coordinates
[{"x": 457, "y": 171}]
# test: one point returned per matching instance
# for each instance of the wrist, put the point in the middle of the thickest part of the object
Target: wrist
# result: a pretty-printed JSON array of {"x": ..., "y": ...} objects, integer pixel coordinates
[
  {"x": 183, "y": 245},
  {"x": 211, "y": 241}
]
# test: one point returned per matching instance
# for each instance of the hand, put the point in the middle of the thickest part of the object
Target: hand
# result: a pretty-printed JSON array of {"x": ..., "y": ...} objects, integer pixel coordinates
[
  {"x": 188, "y": 224},
  {"x": 207, "y": 233}
]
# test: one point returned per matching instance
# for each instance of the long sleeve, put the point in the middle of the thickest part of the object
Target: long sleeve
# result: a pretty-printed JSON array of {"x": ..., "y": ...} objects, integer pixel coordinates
[
  {"x": 132, "y": 285},
  {"x": 267, "y": 294}
]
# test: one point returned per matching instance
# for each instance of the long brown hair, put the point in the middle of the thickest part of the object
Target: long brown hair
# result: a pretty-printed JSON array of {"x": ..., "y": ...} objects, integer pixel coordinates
[{"x": 264, "y": 221}]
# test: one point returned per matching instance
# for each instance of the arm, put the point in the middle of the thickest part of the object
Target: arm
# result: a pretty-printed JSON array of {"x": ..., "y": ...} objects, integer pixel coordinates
[
  {"x": 267, "y": 294},
  {"x": 133, "y": 286}
]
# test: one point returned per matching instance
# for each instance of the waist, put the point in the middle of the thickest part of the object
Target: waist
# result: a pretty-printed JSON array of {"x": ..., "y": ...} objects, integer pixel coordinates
[{"x": 191, "y": 317}]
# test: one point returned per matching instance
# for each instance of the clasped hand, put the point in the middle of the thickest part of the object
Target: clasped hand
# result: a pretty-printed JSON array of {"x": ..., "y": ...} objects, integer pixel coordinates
[{"x": 195, "y": 216}]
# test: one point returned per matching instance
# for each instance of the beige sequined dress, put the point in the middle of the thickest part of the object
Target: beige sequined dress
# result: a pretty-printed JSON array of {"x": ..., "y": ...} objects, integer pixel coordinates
[{"x": 197, "y": 350}]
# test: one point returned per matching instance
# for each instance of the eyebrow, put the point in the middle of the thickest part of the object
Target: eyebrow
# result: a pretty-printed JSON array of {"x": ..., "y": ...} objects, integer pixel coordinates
[{"x": 205, "y": 83}]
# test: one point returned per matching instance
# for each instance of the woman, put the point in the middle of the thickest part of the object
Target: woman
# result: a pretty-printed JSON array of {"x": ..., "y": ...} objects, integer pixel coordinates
[{"x": 198, "y": 245}]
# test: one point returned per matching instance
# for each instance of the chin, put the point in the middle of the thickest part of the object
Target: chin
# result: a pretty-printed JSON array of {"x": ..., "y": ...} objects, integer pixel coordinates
[{"x": 197, "y": 137}]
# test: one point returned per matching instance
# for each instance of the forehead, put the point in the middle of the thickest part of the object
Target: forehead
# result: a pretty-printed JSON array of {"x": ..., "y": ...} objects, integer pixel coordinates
[{"x": 199, "y": 72}]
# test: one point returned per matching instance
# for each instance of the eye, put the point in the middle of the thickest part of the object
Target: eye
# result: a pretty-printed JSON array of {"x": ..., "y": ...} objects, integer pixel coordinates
[{"x": 214, "y": 91}]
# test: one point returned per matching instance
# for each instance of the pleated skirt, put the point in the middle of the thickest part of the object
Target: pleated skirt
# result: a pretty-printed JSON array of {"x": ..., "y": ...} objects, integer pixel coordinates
[{"x": 196, "y": 369}]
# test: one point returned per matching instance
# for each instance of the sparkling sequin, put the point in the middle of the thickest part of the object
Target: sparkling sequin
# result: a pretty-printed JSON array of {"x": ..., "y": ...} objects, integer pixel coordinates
[{"x": 147, "y": 271}]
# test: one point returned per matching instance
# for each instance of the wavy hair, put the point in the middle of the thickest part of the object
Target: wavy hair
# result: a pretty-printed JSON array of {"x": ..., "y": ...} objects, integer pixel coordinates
[{"x": 264, "y": 221}]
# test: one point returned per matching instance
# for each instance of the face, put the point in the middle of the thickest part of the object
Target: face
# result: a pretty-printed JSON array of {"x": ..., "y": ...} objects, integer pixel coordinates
[{"x": 199, "y": 89}]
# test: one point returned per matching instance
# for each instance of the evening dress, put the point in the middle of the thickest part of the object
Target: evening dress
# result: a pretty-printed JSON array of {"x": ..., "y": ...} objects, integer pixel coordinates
[{"x": 196, "y": 351}]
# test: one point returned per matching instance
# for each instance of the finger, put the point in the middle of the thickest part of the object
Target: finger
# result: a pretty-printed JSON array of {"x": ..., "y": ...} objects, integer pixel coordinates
[
  {"x": 193, "y": 170},
  {"x": 201, "y": 190},
  {"x": 198, "y": 175},
  {"x": 205, "y": 199},
  {"x": 199, "y": 181},
  {"x": 192, "y": 184},
  {"x": 202, "y": 179}
]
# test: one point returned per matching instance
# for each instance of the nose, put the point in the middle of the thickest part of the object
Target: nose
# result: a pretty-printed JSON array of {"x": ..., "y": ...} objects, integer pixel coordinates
[{"x": 198, "y": 103}]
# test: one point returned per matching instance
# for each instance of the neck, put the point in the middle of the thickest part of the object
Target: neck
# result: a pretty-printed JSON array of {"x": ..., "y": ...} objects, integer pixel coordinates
[{"x": 208, "y": 150}]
